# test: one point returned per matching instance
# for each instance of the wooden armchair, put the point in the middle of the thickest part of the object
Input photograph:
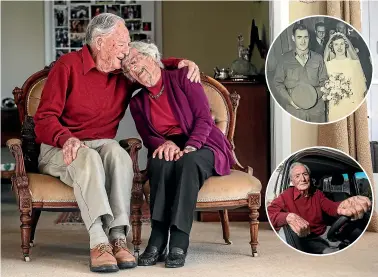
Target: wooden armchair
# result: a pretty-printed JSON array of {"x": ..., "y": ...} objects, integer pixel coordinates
[
  {"x": 39, "y": 192},
  {"x": 238, "y": 189}
]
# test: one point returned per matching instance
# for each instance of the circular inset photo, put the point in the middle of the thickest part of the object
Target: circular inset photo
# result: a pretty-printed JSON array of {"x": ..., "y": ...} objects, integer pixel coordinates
[
  {"x": 319, "y": 201},
  {"x": 319, "y": 69}
]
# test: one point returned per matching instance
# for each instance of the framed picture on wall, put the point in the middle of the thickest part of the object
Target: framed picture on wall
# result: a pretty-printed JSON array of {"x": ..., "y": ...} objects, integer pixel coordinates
[{"x": 67, "y": 22}]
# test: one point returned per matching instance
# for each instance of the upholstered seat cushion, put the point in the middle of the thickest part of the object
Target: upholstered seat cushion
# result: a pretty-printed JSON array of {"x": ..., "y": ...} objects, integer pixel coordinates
[
  {"x": 45, "y": 188},
  {"x": 235, "y": 186}
]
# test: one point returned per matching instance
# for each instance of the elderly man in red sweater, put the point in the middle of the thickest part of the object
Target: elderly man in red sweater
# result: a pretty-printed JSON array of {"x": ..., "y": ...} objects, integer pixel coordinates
[
  {"x": 301, "y": 207},
  {"x": 83, "y": 101}
]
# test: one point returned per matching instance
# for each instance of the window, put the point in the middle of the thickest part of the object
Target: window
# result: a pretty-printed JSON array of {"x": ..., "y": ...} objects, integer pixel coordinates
[
  {"x": 370, "y": 34},
  {"x": 328, "y": 187},
  {"x": 363, "y": 185}
]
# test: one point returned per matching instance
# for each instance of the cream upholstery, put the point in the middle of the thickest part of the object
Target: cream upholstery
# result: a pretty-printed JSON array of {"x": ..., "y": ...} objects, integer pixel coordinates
[
  {"x": 218, "y": 108},
  {"x": 235, "y": 186},
  {"x": 45, "y": 188},
  {"x": 34, "y": 97}
]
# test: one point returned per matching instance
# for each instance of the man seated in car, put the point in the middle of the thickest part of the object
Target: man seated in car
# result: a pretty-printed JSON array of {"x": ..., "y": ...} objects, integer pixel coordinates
[{"x": 301, "y": 207}]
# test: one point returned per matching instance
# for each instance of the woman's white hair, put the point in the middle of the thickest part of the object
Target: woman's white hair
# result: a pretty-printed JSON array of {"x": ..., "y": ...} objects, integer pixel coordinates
[
  {"x": 149, "y": 50},
  {"x": 298, "y": 164},
  {"x": 100, "y": 25}
]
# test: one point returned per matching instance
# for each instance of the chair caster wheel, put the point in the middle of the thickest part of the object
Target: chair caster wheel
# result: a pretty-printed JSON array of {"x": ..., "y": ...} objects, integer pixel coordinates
[
  {"x": 26, "y": 258},
  {"x": 255, "y": 254},
  {"x": 228, "y": 242}
]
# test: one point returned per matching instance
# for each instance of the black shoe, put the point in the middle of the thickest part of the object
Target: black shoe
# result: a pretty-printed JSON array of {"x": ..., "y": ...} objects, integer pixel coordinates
[
  {"x": 151, "y": 256},
  {"x": 176, "y": 258}
]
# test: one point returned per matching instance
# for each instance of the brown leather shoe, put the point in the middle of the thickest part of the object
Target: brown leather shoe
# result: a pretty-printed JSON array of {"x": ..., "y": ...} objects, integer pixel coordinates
[
  {"x": 123, "y": 255},
  {"x": 102, "y": 259}
]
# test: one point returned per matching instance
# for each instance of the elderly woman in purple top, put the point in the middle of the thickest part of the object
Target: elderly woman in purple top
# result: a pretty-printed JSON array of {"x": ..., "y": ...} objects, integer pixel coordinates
[{"x": 172, "y": 116}]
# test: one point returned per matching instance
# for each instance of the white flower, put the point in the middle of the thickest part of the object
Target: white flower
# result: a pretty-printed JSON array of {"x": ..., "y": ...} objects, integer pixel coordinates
[
  {"x": 337, "y": 91},
  {"x": 345, "y": 86},
  {"x": 329, "y": 97},
  {"x": 332, "y": 78}
]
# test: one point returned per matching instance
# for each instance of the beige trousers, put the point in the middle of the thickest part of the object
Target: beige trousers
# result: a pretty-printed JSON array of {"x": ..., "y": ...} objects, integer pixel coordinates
[{"x": 101, "y": 177}]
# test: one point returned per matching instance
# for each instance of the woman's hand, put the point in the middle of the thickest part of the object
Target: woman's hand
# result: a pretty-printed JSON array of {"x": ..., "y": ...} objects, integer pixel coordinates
[
  {"x": 185, "y": 151},
  {"x": 168, "y": 148}
]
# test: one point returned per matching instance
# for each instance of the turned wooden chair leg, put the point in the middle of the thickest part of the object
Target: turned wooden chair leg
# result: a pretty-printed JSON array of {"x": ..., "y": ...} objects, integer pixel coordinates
[
  {"x": 223, "y": 215},
  {"x": 34, "y": 217},
  {"x": 136, "y": 222},
  {"x": 254, "y": 229},
  {"x": 26, "y": 222}
]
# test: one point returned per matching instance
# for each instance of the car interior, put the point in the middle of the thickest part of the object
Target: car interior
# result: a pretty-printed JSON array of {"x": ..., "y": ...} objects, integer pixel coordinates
[{"x": 338, "y": 178}]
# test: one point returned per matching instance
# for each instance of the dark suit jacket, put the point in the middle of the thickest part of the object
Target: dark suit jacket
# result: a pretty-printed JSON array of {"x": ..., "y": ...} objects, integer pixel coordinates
[
  {"x": 316, "y": 47},
  {"x": 191, "y": 109}
]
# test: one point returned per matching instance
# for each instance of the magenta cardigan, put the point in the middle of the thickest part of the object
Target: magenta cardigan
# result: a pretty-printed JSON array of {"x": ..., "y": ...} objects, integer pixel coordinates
[{"x": 191, "y": 109}]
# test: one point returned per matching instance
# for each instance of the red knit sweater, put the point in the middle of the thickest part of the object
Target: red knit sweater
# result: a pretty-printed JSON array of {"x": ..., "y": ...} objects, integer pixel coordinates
[{"x": 79, "y": 101}]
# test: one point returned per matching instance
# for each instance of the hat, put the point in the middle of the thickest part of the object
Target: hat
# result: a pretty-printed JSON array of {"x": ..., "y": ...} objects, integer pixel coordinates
[{"x": 304, "y": 96}]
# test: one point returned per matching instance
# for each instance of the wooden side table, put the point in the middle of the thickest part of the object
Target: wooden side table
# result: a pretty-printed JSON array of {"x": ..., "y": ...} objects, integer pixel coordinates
[
  {"x": 10, "y": 128},
  {"x": 10, "y": 125}
]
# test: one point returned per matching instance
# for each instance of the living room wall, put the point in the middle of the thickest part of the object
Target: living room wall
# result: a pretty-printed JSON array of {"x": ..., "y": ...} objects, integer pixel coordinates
[
  {"x": 206, "y": 32},
  {"x": 22, "y": 42}
]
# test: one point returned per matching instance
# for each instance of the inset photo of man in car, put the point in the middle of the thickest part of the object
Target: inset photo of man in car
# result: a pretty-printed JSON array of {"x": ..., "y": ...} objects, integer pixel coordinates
[{"x": 319, "y": 201}]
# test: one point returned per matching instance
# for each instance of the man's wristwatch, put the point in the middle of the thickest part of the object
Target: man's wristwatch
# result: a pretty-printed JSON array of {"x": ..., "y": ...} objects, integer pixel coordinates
[{"x": 190, "y": 148}]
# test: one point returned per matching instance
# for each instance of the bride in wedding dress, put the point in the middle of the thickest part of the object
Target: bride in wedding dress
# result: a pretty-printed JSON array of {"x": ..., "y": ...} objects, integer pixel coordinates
[{"x": 341, "y": 57}]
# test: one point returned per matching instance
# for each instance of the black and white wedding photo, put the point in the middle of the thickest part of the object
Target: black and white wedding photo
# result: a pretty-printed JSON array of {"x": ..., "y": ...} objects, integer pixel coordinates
[
  {"x": 79, "y": 12},
  {"x": 114, "y": 9},
  {"x": 61, "y": 52},
  {"x": 134, "y": 25},
  {"x": 61, "y": 16},
  {"x": 132, "y": 12},
  {"x": 319, "y": 69},
  {"x": 61, "y": 37}
]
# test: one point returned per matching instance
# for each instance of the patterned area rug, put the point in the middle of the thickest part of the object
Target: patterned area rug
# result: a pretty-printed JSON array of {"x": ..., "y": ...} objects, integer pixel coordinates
[{"x": 75, "y": 217}]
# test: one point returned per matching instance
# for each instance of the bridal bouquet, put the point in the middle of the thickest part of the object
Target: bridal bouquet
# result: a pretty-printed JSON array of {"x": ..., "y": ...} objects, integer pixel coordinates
[{"x": 336, "y": 88}]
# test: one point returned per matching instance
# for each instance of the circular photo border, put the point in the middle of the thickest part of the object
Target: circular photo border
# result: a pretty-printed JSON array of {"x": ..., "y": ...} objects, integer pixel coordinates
[
  {"x": 275, "y": 182},
  {"x": 269, "y": 74}
]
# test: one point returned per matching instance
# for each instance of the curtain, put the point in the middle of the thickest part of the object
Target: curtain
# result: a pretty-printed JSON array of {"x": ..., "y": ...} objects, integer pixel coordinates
[{"x": 351, "y": 134}]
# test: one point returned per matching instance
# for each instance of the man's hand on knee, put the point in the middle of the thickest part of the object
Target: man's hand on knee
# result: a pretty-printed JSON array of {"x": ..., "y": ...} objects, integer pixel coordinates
[
  {"x": 300, "y": 226},
  {"x": 70, "y": 148},
  {"x": 355, "y": 207}
]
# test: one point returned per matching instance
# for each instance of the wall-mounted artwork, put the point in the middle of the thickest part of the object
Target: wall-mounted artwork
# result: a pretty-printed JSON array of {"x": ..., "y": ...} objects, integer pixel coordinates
[{"x": 71, "y": 19}]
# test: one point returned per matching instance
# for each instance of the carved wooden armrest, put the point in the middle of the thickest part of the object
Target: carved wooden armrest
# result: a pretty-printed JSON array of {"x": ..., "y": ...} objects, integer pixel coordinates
[
  {"x": 20, "y": 181},
  {"x": 14, "y": 146},
  {"x": 132, "y": 146},
  {"x": 238, "y": 166}
]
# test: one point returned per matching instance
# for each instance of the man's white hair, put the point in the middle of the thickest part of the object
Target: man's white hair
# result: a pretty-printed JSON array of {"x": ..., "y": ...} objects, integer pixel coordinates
[
  {"x": 100, "y": 25},
  {"x": 298, "y": 164},
  {"x": 149, "y": 50}
]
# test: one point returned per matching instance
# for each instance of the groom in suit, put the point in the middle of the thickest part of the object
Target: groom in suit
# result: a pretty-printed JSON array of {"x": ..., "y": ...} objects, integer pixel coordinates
[{"x": 305, "y": 68}]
